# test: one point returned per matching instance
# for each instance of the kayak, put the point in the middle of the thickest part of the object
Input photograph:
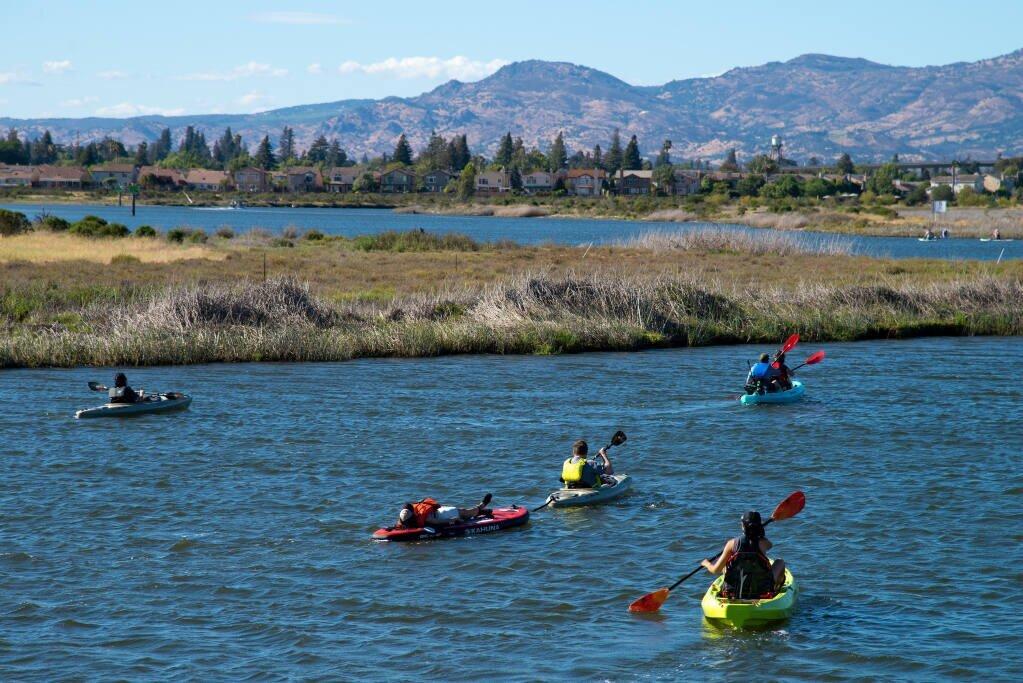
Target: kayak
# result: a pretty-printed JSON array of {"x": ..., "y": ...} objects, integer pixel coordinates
[
  {"x": 991, "y": 239},
  {"x": 563, "y": 498},
  {"x": 750, "y": 613},
  {"x": 927, "y": 239},
  {"x": 502, "y": 518},
  {"x": 790, "y": 396},
  {"x": 161, "y": 403}
]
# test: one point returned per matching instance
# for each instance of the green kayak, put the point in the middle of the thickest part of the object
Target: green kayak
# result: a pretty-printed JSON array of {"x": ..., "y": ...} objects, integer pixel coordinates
[
  {"x": 750, "y": 613},
  {"x": 161, "y": 403}
]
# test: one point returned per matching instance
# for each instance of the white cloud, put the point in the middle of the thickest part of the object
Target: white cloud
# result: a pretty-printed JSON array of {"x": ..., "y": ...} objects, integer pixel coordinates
[
  {"x": 254, "y": 97},
  {"x": 297, "y": 18},
  {"x": 314, "y": 68},
  {"x": 248, "y": 70},
  {"x": 57, "y": 67},
  {"x": 14, "y": 78},
  {"x": 79, "y": 101},
  {"x": 458, "y": 67},
  {"x": 129, "y": 109},
  {"x": 112, "y": 75}
]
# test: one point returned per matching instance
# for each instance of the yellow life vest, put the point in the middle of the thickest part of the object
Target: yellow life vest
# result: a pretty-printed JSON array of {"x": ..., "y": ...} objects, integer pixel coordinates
[{"x": 573, "y": 472}]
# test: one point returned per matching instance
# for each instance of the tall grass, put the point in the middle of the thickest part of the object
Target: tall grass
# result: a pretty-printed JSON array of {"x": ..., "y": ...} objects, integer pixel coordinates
[
  {"x": 53, "y": 247},
  {"x": 736, "y": 241},
  {"x": 280, "y": 320}
]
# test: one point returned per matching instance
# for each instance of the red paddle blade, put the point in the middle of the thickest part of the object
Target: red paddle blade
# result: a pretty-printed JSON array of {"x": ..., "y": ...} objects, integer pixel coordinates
[
  {"x": 814, "y": 359},
  {"x": 790, "y": 343},
  {"x": 789, "y": 507},
  {"x": 651, "y": 602}
]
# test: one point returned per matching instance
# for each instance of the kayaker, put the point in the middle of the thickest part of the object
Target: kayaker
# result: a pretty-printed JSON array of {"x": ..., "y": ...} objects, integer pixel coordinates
[
  {"x": 121, "y": 392},
  {"x": 929, "y": 235},
  {"x": 429, "y": 512},
  {"x": 749, "y": 573},
  {"x": 578, "y": 472},
  {"x": 784, "y": 378},
  {"x": 945, "y": 234},
  {"x": 763, "y": 375},
  {"x": 996, "y": 234}
]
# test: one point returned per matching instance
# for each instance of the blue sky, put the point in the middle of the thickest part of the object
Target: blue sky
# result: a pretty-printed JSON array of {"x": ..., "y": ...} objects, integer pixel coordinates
[{"x": 108, "y": 58}]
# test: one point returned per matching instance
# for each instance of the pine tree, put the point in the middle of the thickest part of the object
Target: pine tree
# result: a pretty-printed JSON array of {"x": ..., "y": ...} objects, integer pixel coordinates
[
  {"x": 437, "y": 155},
  {"x": 335, "y": 155},
  {"x": 844, "y": 164},
  {"x": 598, "y": 157},
  {"x": 264, "y": 158},
  {"x": 731, "y": 162},
  {"x": 631, "y": 160},
  {"x": 467, "y": 181},
  {"x": 505, "y": 151},
  {"x": 286, "y": 147},
  {"x": 664, "y": 157},
  {"x": 317, "y": 153},
  {"x": 142, "y": 154},
  {"x": 557, "y": 158},
  {"x": 613, "y": 161},
  {"x": 515, "y": 178},
  {"x": 459, "y": 152},
  {"x": 403, "y": 152},
  {"x": 163, "y": 146}
]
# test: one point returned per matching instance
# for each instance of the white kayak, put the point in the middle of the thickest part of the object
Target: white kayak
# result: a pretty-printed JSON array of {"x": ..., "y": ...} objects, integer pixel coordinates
[
  {"x": 563, "y": 498},
  {"x": 161, "y": 403},
  {"x": 992, "y": 239}
]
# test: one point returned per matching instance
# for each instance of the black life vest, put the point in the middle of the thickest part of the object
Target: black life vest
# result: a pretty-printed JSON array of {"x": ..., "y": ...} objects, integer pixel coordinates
[{"x": 748, "y": 572}]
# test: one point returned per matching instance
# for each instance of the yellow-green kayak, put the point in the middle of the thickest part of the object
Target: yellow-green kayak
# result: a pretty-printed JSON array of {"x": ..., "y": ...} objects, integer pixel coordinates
[{"x": 750, "y": 613}]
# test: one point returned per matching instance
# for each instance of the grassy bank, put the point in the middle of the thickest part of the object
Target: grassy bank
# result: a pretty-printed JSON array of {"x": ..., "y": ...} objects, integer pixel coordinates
[{"x": 415, "y": 294}]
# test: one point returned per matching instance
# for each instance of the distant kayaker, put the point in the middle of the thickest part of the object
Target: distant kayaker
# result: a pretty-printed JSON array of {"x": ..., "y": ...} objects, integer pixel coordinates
[
  {"x": 749, "y": 573},
  {"x": 429, "y": 512},
  {"x": 578, "y": 472},
  {"x": 784, "y": 378},
  {"x": 996, "y": 234},
  {"x": 929, "y": 234},
  {"x": 121, "y": 392},
  {"x": 945, "y": 234},
  {"x": 763, "y": 375}
]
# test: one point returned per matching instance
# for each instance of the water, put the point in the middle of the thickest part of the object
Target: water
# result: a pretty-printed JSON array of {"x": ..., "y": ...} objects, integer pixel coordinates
[
  {"x": 232, "y": 541},
  {"x": 351, "y": 222}
]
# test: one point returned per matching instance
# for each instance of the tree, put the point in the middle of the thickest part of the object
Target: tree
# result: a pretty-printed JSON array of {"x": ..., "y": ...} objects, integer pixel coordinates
[
  {"x": 916, "y": 196},
  {"x": 731, "y": 162},
  {"x": 785, "y": 186},
  {"x": 598, "y": 157},
  {"x": 818, "y": 187},
  {"x": 335, "y": 155},
  {"x": 881, "y": 181},
  {"x": 467, "y": 181},
  {"x": 614, "y": 154},
  {"x": 557, "y": 157},
  {"x": 515, "y": 178},
  {"x": 403, "y": 152},
  {"x": 365, "y": 183},
  {"x": 762, "y": 165},
  {"x": 505, "y": 150},
  {"x": 942, "y": 193},
  {"x": 437, "y": 155},
  {"x": 163, "y": 145},
  {"x": 749, "y": 186},
  {"x": 286, "y": 146},
  {"x": 11, "y": 149},
  {"x": 664, "y": 157},
  {"x": 43, "y": 150},
  {"x": 264, "y": 158},
  {"x": 844, "y": 164},
  {"x": 318, "y": 151},
  {"x": 631, "y": 160},
  {"x": 664, "y": 178},
  {"x": 142, "y": 154}
]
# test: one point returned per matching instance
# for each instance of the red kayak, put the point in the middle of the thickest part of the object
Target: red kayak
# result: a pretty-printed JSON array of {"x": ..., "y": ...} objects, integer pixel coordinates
[{"x": 502, "y": 518}]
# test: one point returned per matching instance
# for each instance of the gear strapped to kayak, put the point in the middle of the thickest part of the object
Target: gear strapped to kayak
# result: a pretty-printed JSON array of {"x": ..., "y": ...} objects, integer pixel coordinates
[{"x": 499, "y": 519}]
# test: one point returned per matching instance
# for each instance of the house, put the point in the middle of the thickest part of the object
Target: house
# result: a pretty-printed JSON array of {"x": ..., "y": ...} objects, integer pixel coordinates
[
  {"x": 119, "y": 175},
  {"x": 632, "y": 183},
  {"x": 687, "y": 182},
  {"x": 299, "y": 179},
  {"x": 154, "y": 176},
  {"x": 342, "y": 178},
  {"x": 436, "y": 181},
  {"x": 250, "y": 179},
  {"x": 398, "y": 180},
  {"x": 492, "y": 182},
  {"x": 65, "y": 177},
  {"x": 905, "y": 187},
  {"x": 18, "y": 176},
  {"x": 209, "y": 181},
  {"x": 538, "y": 181},
  {"x": 585, "y": 182},
  {"x": 960, "y": 182},
  {"x": 996, "y": 183}
]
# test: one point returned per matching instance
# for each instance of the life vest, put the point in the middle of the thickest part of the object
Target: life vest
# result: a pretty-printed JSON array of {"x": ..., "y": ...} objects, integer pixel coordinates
[
  {"x": 580, "y": 473},
  {"x": 760, "y": 371},
  {"x": 116, "y": 392},
  {"x": 423, "y": 509},
  {"x": 747, "y": 572}
]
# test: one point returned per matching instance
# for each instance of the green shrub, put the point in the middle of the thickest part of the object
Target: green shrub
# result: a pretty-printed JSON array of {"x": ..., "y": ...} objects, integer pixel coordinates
[
  {"x": 94, "y": 226},
  {"x": 145, "y": 231},
  {"x": 54, "y": 224},
  {"x": 281, "y": 242},
  {"x": 13, "y": 223},
  {"x": 198, "y": 237},
  {"x": 178, "y": 234},
  {"x": 313, "y": 235},
  {"x": 124, "y": 260},
  {"x": 225, "y": 233}
]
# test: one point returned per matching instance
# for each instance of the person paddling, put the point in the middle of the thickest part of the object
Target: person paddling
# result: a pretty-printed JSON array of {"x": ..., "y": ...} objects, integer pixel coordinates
[
  {"x": 121, "y": 392},
  {"x": 762, "y": 376},
  {"x": 578, "y": 472},
  {"x": 783, "y": 371},
  {"x": 749, "y": 573},
  {"x": 929, "y": 235},
  {"x": 996, "y": 234},
  {"x": 428, "y": 512}
]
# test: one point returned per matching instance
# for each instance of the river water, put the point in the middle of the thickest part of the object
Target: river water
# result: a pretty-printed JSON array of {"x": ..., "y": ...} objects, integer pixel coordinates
[
  {"x": 231, "y": 541},
  {"x": 351, "y": 222}
]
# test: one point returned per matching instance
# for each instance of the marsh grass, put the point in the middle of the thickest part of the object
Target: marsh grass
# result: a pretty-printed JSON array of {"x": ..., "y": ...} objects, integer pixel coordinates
[
  {"x": 723, "y": 240},
  {"x": 54, "y": 247}
]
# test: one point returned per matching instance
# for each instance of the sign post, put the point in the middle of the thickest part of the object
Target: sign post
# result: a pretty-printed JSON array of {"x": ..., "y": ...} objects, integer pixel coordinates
[{"x": 134, "y": 189}]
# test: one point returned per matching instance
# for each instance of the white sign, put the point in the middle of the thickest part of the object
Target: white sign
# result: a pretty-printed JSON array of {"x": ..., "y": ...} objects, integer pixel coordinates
[{"x": 941, "y": 207}]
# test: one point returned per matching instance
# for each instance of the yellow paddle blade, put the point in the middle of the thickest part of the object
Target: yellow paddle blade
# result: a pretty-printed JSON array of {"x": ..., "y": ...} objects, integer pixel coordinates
[{"x": 651, "y": 602}]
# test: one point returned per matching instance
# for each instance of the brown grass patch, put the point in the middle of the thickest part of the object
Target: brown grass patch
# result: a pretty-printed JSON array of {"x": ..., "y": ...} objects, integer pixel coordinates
[{"x": 48, "y": 247}]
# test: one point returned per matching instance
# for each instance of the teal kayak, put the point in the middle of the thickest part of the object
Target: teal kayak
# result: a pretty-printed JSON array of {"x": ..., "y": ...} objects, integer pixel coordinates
[
  {"x": 790, "y": 396},
  {"x": 161, "y": 403},
  {"x": 564, "y": 498}
]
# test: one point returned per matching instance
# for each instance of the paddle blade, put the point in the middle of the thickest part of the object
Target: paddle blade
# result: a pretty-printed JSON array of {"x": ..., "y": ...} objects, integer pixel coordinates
[
  {"x": 651, "y": 602},
  {"x": 790, "y": 343},
  {"x": 96, "y": 386},
  {"x": 789, "y": 507},
  {"x": 814, "y": 358},
  {"x": 619, "y": 438}
]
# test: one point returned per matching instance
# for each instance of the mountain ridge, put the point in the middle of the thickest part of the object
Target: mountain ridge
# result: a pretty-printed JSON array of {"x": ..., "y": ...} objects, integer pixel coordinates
[{"x": 821, "y": 104}]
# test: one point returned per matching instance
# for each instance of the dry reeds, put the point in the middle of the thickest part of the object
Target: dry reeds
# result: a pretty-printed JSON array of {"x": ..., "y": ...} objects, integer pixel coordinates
[
  {"x": 736, "y": 241},
  {"x": 52, "y": 247}
]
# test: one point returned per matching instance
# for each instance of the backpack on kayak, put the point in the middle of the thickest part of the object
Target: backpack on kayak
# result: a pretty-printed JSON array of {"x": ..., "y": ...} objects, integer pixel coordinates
[{"x": 748, "y": 574}]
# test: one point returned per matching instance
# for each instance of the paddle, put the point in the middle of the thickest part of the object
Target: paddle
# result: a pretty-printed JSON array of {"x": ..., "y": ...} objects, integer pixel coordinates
[
  {"x": 812, "y": 360},
  {"x": 651, "y": 602},
  {"x": 789, "y": 344},
  {"x": 616, "y": 440},
  {"x": 96, "y": 386}
]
